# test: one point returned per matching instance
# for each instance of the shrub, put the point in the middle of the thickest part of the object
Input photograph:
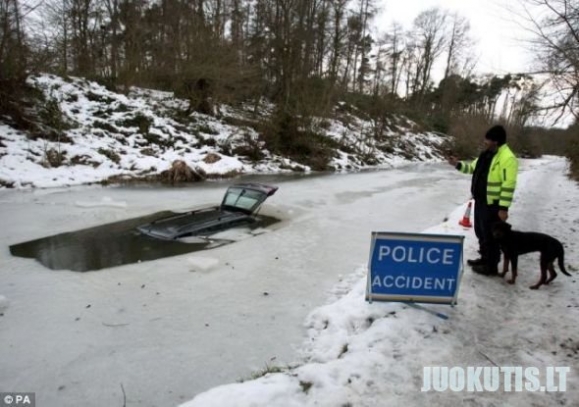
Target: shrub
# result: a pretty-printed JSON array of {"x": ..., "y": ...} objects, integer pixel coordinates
[
  {"x": 6, "y": 184},
  {"x": 205, "y": 128},
  {"x": 468, "y": 133},
  {"x": 83, "y": 160},
  {"x": 110, "y": 154},
  {"x": 252, "y": 151},
  {"x": 158, "y": 140},
  {"x": 51, "y": 115},
  {"x": 283, "y": 135},
  {"x": 93, "y": 97},
  {"x": 53, "y": 158},
  {"x": 573, "y": 155},
  {"x": 99, "y": 124},
  {"x": 181, "y": 172},
  {"x": 142, "y": 122},
  {"x": 103, "y": 113},
  {"x": 148, "y": 151}
]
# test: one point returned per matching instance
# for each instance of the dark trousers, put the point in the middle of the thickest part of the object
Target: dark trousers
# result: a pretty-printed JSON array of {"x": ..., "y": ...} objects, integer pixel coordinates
[{"x": 484, "y": 217}]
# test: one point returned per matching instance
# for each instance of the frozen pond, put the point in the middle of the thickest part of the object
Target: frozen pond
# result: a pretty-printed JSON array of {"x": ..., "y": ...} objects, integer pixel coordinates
[{"x": 170, "y": 328}]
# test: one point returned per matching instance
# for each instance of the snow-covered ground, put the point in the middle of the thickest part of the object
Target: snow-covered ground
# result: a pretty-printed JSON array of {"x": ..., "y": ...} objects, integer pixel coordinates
[
  {"x": 107, "y": 134},
  {"x": 163, "y": 332}
]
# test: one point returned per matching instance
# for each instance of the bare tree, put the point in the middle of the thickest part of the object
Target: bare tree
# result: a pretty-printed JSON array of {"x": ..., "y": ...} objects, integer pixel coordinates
[
  {"x": 12, "y": 44},
  {"x": 337, "y": 39},
  {"x": 430, "y": 40},
  {"x": 321, "y": 37},
  {"x": 394, "y": 42},
  {"x": 524, "y": 100},
  {"x": 366, "y": 11},
  {"x": 555, "y": 26},
  {"x": 113, "y": 9},
  {"x": 354, "y": 34},
  {"x": 458, "y": 41}
]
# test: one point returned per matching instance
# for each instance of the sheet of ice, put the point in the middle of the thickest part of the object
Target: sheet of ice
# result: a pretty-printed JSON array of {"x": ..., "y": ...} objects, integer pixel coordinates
[{"x": 104, "y": 202}]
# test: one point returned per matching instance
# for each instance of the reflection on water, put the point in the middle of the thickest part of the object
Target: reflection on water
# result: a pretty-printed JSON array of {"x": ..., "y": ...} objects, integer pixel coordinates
[{"x": 111, "y": 245}]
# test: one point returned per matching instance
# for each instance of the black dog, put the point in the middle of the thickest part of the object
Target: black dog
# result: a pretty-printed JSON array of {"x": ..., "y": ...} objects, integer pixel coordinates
[{"x": 514, "y": 243}]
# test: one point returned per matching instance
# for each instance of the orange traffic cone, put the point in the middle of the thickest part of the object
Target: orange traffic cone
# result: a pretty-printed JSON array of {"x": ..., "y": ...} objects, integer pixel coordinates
[{"x": 465, "y": 221}]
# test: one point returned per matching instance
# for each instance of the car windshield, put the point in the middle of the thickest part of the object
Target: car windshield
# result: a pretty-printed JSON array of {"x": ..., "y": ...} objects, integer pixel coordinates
[{"x": 243, "y": 198}]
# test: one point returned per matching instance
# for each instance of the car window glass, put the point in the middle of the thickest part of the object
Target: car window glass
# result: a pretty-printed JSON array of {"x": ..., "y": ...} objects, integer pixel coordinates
[{"x": 242, "y": 198}]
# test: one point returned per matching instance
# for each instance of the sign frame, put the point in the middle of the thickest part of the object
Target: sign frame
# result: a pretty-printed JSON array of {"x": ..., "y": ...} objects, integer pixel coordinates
[{"x": 420, "y": 238}]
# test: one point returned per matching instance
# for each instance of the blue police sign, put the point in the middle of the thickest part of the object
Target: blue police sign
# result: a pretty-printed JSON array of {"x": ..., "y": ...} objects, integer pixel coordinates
[{"x": 414, "y": 267}]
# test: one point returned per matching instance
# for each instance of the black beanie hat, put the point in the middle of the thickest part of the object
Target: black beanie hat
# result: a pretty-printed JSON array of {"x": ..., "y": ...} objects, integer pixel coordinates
[{"x": 497, "y": 133}]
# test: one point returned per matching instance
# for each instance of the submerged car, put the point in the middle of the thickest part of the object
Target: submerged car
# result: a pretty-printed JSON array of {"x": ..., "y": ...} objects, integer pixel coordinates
[{"x": 239, "y": 207}]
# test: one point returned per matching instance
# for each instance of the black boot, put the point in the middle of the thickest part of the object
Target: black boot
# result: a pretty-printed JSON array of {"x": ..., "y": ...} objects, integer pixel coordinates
[
  {"x": 476, "y": 262},
  {"x": 485, "y": 270}
]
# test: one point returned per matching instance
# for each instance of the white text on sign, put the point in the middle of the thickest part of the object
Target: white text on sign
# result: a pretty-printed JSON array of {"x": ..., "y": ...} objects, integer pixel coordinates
[
  {"x": 428, "y": 283},
  {"x": 402, "y": 254}
]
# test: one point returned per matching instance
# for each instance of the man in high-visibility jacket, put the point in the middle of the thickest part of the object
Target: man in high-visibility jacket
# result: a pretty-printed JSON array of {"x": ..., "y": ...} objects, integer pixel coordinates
[{"x": 494, "y": 178}]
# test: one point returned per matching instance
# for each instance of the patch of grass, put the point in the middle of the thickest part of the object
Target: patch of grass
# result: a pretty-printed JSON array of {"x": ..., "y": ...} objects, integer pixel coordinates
[
  {"x": 51, "y": 115},
  {"x": 121, "y": 139},
  {"x": 266, "y": 370},
  {"x": 181, "y": 139},
  {"x": 306, "y": 386},
  {"x": 211, "y": 158},
  {"x": 158, "y": 140},
  {"x": 142, "y": 122},
  {"x": 204, "y": 128},
  {"x": 253, "y": 152},
  {"x": 71, "y": 98},
  {"x": 573, "y": 156},
  {"x": 103, "y": 113},
  {"x": 240, "y": 122},
  {"x": 32, "y": 152},
  {"x": 343, "y": 351},
  {"x": 348, "y": 149},
  {"x": 182, "y": 128},
  {"x": 386, "y": 148},
  {"x": 181, "y": 116},
  {"x": 53, "y": 158},
  {"x": 99, "y": 124},
  {"x": 122, "y": 108},
  {"x": 110, "y": 154},
  {"x": 83, "y": 160},
  {"x": 225, "y": 148},
  {"x": 93, "y": 97},
  {"x": 6, "y": 184},
  {"x": 49, "y": 135},
  {"x": 210, "y": 142},
  {"x": 148, "y": 151},
  {"x": 294, "y": 168},
  {"x": 180, "y": 172},
  {"x": 325, "y": 124}
]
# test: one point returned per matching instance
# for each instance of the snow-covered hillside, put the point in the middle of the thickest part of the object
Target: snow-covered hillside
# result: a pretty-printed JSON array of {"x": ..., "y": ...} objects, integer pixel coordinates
[{"x": 107, "y": 134}]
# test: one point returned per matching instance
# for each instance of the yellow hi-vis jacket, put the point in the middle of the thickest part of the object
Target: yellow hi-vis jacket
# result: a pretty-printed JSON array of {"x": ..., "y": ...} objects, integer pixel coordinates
[{"x": 502, "y": 178}]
